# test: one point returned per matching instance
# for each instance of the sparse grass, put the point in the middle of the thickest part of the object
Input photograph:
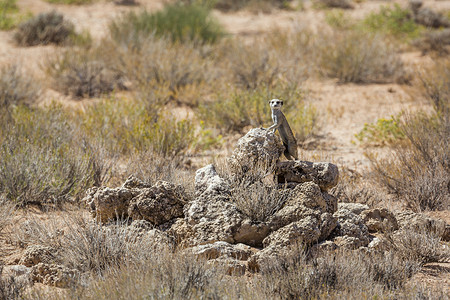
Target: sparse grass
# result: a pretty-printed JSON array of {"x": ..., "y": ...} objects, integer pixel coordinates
[
  {"x": 359, "y": 57},
  {"x": 383, "y": 132},
  {"x": 45, "y": 28},
  {"x": 180, "y": 22}
]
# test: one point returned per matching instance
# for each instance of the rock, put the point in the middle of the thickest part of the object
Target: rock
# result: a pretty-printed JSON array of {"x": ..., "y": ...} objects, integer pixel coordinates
[
  {"x": 326, "y": 175},
  {"x": 232, "y": 266},
  {"x": 355, "y": 208},
  {"x": 325, "y": 246},
  {"x": 379, "y": 220},
  {"x": 54, "y": 275},
  {"x": 222, "y": 249},
  {"x": 351, "y": 231},
  {"x": 158, "y": 204},
  {"x": 349, "y": 242},
  {"x": 144, "y": 233},
  {"x": 208, "y": 181},
  {"x": 306, "y": 231},
  {"x": 134, "y": 183},
  {"x": 332, "y": 202},
  {"x": 107, "y": 204},
  {"x": 259, "y": 148},
  {"x": 420, "y": 222},
  {"x": 304, "y": 200},
  {"x": 35, "y": 254}
]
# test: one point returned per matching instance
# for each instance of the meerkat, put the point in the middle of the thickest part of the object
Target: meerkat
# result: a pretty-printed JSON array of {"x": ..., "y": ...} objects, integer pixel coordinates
[{"x": 280, "y": 123}]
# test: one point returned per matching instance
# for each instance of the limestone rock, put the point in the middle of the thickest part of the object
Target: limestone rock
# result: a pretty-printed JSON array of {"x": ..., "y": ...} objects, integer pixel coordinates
[
  {"x": 332, "y": 202},
  {"x": 108, "y": 204},
  {"x": 326, "y": 175},
  {"x": 134, "y": 183},
  {"x": 304, "y": 200},
  {"x": 222, "y": 249},
  {"x": 54, "y": 275},
  {"x": 35, "y": 254},
  {"x": 351, "y": 230},
  {"x": 306, "y": 231},
  {"x": 208, "y": 181},
  {"x": 355, "y": 208},
  {"x": 258, "y": 148},
  {"x": 233, "y": 267},
  {"x": 158, "y": 204},
  {"x": 379, "y": 220}
]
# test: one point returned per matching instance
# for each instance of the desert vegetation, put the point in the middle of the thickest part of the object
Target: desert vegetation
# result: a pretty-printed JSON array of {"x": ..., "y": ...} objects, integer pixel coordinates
[{"x": 103, "y": 137}]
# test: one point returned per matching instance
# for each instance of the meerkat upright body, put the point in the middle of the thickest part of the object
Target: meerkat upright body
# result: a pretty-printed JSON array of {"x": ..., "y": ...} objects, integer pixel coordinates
[{"x": 286, "y": 134}]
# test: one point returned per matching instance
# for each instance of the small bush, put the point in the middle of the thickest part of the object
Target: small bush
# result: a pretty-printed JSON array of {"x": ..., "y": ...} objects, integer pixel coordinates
[
  {"x": 394, "y": 20},
  {"x": 9, "y": 288},
  {"x": 435, "y": 42},
  {"x": 44, "y": 29},
  {"x": 265, "y": 6},
  {"x": 181, "y": 23},
  {"x": 16, "y": 88},
  {"x": 83, "y": 73},
  {"x": 355, "y": 56},
  {"x": 383, "y": 132}
]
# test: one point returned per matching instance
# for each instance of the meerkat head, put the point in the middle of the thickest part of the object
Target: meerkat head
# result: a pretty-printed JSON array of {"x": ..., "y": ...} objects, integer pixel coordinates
[{"x": 276, "y": 103}]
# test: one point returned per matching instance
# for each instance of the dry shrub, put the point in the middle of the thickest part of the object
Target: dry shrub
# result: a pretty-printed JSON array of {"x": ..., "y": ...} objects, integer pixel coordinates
[
  {"x": 16, "y": 87},
  {"x": 355, "y": 187},
  {"x": 265, "y": 6},
  {"x": 159, "y": 62},
  {"x": 421, "y": 246},
  {"x": 10, "y": 289},
  {"x": 6, "y": 213},
  {"x": 437, "y": 42},
  {"x": 345, "y": 4},
  {"x": 46, "y": 28},
  {"x": 418, "y": 171},
  {"x": 83, "y": 73},
  {"x": 360, "y": 57},
  {"x": 44, "y": 158},
  {"x": 295, "y": 275}
]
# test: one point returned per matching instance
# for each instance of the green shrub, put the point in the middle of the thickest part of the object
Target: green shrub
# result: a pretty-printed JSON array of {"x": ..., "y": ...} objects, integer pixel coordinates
[
  {"x": 383, "y": 132},
  {"x": 359, "y": 57},
  {"x": 44, "y": 29},
  {"x": 44, "y": 159},
  {"x": 181, "y": 23},
  {"x": 394, "y": 20}
]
